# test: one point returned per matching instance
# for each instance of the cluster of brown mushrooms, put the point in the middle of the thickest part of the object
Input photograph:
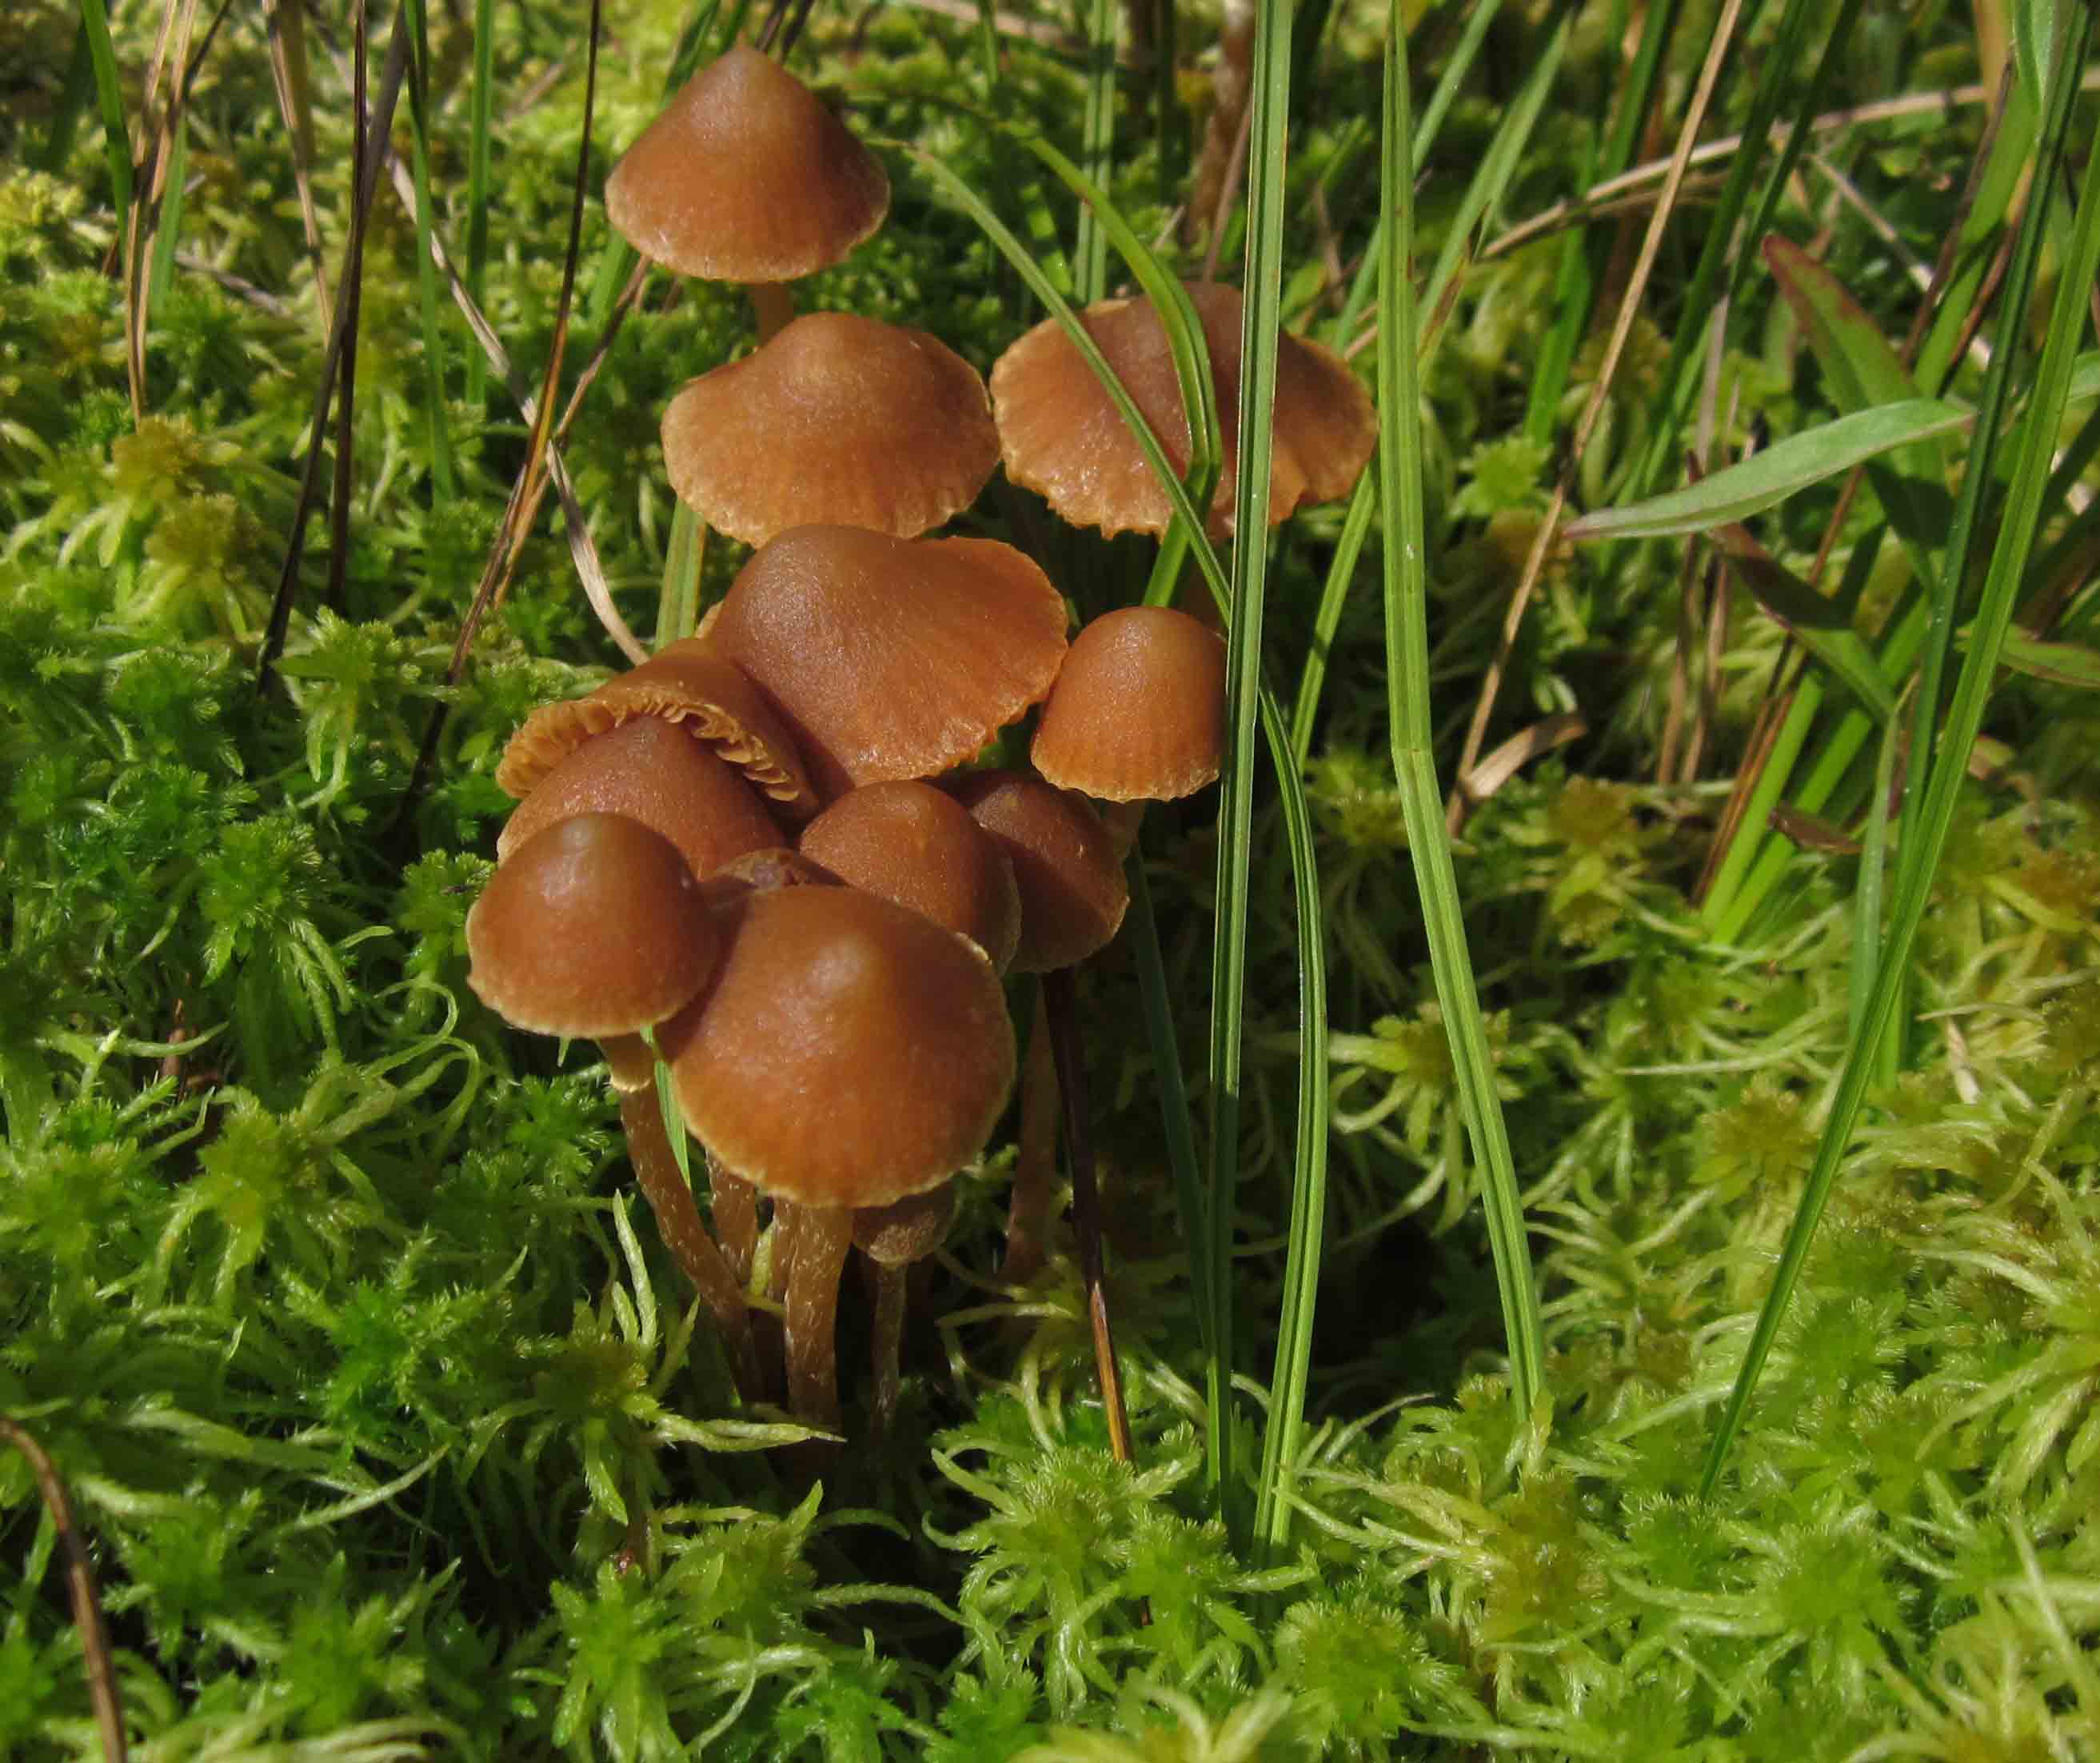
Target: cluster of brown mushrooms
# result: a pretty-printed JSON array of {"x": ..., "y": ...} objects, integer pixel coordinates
[{"x": 764, "y": 857}]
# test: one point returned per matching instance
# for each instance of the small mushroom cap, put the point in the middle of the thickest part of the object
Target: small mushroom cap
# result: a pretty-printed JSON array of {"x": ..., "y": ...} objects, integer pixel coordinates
[
  {"x": 1073, "y": 890},
  {"x": 594, "y": 926},
  {"x": 1138, "y": 713},
  {"x": 758, "y": 872},
  {"x": 653, "y": 771},
  {"x": 838, "y": 419},
  {"x": 910, "y": 843},
  {"x": 905, "y": 1230},
  {"x": 746, "y": 177},
  {"x": 849, "y": 1053},
  {"x": 688, "y": 683},
  {"x": 1060, "y": 436},
  {"x": 891, "y": 658}
]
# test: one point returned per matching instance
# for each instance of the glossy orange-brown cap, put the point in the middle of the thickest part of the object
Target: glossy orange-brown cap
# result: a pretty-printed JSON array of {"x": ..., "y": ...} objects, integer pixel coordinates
[
  {"x": 910, "y": 843},
  {"x": 746, "y": 177},
  {"x": 1073, "y": 890},
  {"x": 849, "y": 1052},
  {"x": 688, "y": 683},
  {"x": 889, "y": 658},
  {"x": 1138, "y": 713},
  {"x": 1060, "y": 436},
  {"x": 594, "y": 926},
  {"x": 840, "y": 419},
  {"x": 653, "y": 771}
]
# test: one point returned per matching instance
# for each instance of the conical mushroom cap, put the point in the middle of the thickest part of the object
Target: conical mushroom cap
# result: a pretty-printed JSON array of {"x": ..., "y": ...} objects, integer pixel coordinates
[
  {"x": 1073, "y": 893},
  {"x": 910, "y": 843},
  {"x": 746, "y": 177},
  {"x": 1138, "y": 713},
  {"x": 594, "y": 926},
  {"x": 849, "y": 1053},
  {"x": 1061, "y": 437},
  {"x": 688, "y": 683},
  {"x": 891, "y": 658},
  {"x": 652, "y": 771},
  {"x": 840, "y": 419}
]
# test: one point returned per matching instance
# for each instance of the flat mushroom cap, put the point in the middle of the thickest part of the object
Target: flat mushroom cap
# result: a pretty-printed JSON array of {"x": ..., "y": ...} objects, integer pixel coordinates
[
  {"x": 689, "y": 683},
  {"x": 1060, "y": 436},
  {"x": 652, "y": 771},
  {"x": 594, "y": 926},
  {"x": 891, "y": 658},
  {"x": 1073, "y": 893},
  {"x": 838, "y": 419},
  {"x": 910, "y": 843},
  {"x": 1138, "y": 713},
  {"x": 746, "y": 177},
  {"x": 849, "y": 1053}
]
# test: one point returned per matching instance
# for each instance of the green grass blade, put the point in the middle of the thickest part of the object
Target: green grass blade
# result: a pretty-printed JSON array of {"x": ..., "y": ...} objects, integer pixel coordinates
[
  {"x": 1313, "y": 679},
  {"x": 168, "y": 228},
  {"x": 115, "y": 133},
  {"x": 1767, "y": 478},
  {"x": 73, "y": 99},
  {"x": 1090, "y": 260},
  {"x": 426, "y": 268},
  {"x": 678, "y": 605},
  {"x": 1964, "y": 715},
  {"x": 1414, "y": 767},
  {"x": 479, "y": 100}
]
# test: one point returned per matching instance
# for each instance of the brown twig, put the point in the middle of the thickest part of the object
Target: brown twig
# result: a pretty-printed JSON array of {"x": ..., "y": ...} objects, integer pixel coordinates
[{"x": 96, "y": 1660}]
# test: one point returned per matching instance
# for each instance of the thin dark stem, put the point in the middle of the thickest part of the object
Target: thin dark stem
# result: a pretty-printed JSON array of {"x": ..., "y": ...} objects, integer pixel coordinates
[
  {"x": 80, "y": 1581},
  {"x": 1062, "y": 1010}
]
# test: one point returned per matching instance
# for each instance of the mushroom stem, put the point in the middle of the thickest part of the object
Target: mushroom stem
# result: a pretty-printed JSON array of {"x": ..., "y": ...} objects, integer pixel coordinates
[
  {"x": 773, "y": 305},
  {"x": 736, "y": 1217},
  {"x": 894, "y": 1237},
  {"x": 685, "y": 1233},
  {"x": 1061, "y": 1008},
  {"x": 1035, "y": 1157},
  {"x": 822, "y": 1236},
  {"x": 889, "y": 1346}
]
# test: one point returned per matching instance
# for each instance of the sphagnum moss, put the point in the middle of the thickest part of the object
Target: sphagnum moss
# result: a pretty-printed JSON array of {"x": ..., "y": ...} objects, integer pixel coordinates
[{"x": 386, "y": 1434}]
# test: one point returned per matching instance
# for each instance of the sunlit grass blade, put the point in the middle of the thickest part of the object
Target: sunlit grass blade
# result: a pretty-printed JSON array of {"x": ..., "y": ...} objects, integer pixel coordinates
[
  {"x": 678, "y": 609},
  {"x": 1918, "y": 860},
  {"x": 1341, "y": 572},
  {"x": 109, "y": 93},
  {"x": 426, "y": 272},
  {"x": 1407, "y": 709},
  {"x": 1090, "y": 261}
]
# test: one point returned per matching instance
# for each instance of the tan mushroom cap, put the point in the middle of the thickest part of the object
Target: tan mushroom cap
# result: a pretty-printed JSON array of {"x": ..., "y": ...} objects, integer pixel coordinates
[
  {"x": 1138, "y": 713},
  {"x": 891, "y": 658},
  {"x": 746, "y": 177},
  {"x": 849, "y": 1053},
  {"x": 653, "y": 771},
  {"x": 905, "y": 1230},
  {"x": 1060, "y": 436},
  {"x": 838, "y": 419},
  {"x": 1073, "y": 893},
  {"x": 688, "y": 683},
  {"x": 594, "y": 926},
  {"x": 912, "y": 844}
]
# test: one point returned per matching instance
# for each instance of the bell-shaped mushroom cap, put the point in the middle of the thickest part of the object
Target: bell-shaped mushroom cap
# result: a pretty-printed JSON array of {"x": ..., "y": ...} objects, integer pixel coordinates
[
  {"x": 594, "y": 926},
  {"x": 840, "y": 419},
  {"x": 909, "y": 843},
  {"x": 849, "y": 1052},
  {"x": 890, "y": 658},
  {"x": 758, "y": 872},
  {"x": 1073, "y": 890},
  {"x": 1138, "y": 713},
  {"x": 1061, "y": 437},
  {"x": 688, "y": 683},
  {"x": 746, "y": 177},
  {"x": 653, "y": 771}
]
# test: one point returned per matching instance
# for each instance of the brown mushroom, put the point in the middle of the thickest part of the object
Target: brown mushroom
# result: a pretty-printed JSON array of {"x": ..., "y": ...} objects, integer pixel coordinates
[
  {"x": 1138, "y": 712},
  {"x": 1061, "y": 435},
  {"x": 1073, "y": 893},
  {"x": 893, "y": 1237},
  {"x": 839, "y": 419},
  {"x": 595, "y": 927},
  {"x": 890, "y": 658},
  {"x": 907, "y": 841},
  {"x": 746, "y": 177},
  {"x": 849, "y": 1053}
]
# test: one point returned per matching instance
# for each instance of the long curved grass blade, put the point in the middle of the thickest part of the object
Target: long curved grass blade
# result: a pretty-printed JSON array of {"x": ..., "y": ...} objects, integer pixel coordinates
[
  {"x": 1414, "y": 766},
  {"x": 1767, "y": 478},
  {"x": 1090, "y": 260},
  {"x": 479, "y": 99},
  {"x": 426, "y": 274},
  {"x": 109, "y": 93},
  {"x": 1341, "y": 572},
  {"x": 1917, "y": 864}
]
